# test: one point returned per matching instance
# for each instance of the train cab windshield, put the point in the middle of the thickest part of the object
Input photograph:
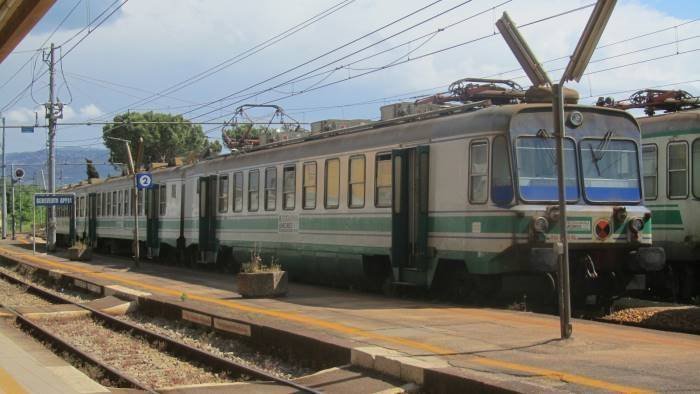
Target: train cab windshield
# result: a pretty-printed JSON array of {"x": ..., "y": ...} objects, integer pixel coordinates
[
  {"x": 537, "y": 171},
  {"x": 610, "y": 170}
]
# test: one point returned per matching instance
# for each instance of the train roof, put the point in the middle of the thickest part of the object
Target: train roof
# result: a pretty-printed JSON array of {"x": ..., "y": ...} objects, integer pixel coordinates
[
  {"x": 481, "y": 116},
  {"x": 672, "y": 123}
]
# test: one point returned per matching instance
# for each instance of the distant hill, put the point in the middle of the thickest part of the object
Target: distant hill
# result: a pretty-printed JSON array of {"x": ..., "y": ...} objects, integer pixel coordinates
[{"x": 70, "y": 164}]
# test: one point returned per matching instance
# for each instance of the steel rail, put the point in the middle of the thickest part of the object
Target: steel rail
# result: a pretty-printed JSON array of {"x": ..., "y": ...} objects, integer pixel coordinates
[
  {"x": 171, "y": 345},
  {"x": 38, "y": 331}
]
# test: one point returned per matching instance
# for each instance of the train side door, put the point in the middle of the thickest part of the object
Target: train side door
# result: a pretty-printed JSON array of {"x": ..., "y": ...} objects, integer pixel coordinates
[
  {"x": 207, "y": 218},
  {"x": 71, "y": 222},
  {"x": 92, "y": 219},
  {"x": 152, "y": 217},
  {"x": 409, "y": 236}
]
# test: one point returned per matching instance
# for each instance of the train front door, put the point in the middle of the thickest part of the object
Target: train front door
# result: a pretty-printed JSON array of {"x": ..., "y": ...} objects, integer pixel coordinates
[
  {"x": 92, "y": 219},
  {"x": 409, "y": 235},
  {"x": 152, "y": 206},
  {"x": 207, "y": 219}
]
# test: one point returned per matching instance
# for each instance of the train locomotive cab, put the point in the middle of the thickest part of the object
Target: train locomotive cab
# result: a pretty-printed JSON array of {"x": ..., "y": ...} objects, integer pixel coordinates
[{"x": 609, "y": 228}]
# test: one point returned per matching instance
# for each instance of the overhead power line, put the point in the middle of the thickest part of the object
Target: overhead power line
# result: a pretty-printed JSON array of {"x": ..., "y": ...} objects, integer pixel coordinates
[{"x": 239, "y": 57}]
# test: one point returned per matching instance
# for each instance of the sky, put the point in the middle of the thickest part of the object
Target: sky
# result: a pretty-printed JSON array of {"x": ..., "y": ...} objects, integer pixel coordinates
[{"x": 131, "y": 60}]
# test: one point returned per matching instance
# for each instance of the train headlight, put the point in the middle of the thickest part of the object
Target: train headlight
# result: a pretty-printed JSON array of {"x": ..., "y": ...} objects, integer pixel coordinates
[
  {"x": 540, "y": 225},
  {"x": 620, "y": 214},
  {"x": 636, "y": 225}
]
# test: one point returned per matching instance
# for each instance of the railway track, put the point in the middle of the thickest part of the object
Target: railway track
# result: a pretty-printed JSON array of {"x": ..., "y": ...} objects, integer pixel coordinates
[{"x": 184, "y": 352}]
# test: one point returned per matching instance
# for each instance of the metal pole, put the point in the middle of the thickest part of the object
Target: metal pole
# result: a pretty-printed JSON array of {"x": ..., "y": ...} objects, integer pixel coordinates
[
  {"x": 19, "y": 190},
  {"x": 12, "y": 186},
  {"x": 563, "y": 245},
  {"x": 4, "y": 185},
  {"x": 51, "y": 210},
  {"x": 34, "y": 227},
  {"x": 135, "y": 205}
]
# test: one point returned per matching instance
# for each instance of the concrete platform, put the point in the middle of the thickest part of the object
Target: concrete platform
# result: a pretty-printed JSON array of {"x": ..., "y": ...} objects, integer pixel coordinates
[
  {"x": 26, "y": 366},
  {"x": 448, "y": 348}
]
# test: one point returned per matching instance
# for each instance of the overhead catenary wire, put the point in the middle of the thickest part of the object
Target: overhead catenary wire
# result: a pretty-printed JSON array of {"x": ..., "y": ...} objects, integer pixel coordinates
[
  {"x": 240, "y": 56},
  {"x": 326, "y": 53}
]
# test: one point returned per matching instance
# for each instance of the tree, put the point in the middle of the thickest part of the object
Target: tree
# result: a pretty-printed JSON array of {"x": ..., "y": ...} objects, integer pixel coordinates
[
  {"x": 238, "y": 134},
  {"x": 175, "y": 137}
]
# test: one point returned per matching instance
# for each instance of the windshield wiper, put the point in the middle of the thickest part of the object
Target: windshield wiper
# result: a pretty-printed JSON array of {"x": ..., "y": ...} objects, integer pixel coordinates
[{"x": 600, "y": 151}]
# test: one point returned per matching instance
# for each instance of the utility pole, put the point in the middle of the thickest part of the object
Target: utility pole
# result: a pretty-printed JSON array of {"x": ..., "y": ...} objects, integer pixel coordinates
[
  {"x": 53, "y": 111},
  {"x": 19, "y": 187},
  {"x": 4, "y": 185},
  {"x": 12, "y": 185}
]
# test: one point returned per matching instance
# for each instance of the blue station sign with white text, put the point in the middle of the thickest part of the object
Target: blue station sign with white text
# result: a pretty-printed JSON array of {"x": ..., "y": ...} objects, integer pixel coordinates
[{"x": 50, "y": 200}]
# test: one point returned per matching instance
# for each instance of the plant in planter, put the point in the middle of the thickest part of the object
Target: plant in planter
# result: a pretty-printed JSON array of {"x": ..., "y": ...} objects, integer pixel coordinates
[
  {"x": 80, "y": 251},
  {"x": 257, "y": 279}
]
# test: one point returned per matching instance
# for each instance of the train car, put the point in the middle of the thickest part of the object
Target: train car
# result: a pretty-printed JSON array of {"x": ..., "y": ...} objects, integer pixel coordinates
[
  {"x": 671, "y": 162},
  {"x": 671, "y": 173},
  {"x": 459, "y": 198}
]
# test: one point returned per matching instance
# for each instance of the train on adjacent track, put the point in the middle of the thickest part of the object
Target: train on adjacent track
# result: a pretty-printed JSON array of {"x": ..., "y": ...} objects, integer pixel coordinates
[
  {"x": 671, "y": 178},
  {"x": 462, "y": 198}
]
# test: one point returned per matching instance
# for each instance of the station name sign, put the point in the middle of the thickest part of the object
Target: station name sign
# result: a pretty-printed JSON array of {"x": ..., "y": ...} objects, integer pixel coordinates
[{"x": 49, "y": 200}]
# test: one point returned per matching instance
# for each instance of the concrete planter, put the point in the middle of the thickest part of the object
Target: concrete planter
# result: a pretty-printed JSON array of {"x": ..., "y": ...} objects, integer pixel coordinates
[
  {"x": 262, "y": 284},
  {"x": 79, "y": 254}
]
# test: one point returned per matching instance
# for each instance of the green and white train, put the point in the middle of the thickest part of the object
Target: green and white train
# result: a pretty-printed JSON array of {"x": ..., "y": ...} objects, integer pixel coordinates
[
  {"x": 671, "y": 162},
  {"x": 459, "y": 198}
]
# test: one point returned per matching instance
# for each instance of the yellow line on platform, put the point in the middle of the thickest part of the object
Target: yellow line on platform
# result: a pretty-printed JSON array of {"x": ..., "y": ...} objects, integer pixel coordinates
[
  {"x": 9, "y": 385},
  {"x": 342, "y": 328}
]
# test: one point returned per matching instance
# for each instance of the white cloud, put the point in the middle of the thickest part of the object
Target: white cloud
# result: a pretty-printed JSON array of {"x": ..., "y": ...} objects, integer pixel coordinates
[{"x": 155, "y": 43}]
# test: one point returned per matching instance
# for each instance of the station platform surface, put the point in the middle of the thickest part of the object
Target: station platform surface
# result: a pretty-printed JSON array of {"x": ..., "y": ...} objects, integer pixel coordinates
[
  {"x": 26, "y": 366},
  {"x": 496, "y": 345}
]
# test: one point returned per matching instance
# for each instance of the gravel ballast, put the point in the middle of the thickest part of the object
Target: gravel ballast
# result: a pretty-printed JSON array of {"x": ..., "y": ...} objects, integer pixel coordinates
[
  {"x": 135, "y": 357},
  {"x": 14, "y": 296},
  {"x": 220, "y": 345}
]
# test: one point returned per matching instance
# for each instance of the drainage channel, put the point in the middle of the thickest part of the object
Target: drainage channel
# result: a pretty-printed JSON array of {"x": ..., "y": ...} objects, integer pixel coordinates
[{"x": 127, "y": 353}]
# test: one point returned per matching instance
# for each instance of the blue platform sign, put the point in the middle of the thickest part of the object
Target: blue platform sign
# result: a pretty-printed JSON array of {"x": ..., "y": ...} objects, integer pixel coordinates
[
  {"x": 27, "y": 129},
  {"x": 144, "y": 180},
  {"x": 50, "y": 200}
]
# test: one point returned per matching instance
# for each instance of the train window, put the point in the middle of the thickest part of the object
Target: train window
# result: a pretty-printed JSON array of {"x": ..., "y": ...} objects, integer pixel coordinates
[
  {"x": 237, "y": 191},
  {"x": 126, "y": 202},
  {"x": 696, "y": 168},
  {"x": 270, "y": 188},
  {"x": 501, "y": 179},
  {"x": 356, "y": 182},
  {"x": 203, "y": 190},
  {"x": 253, "y": 187},
  {"x": 162, "y": 200},
  {"x": 309, "y": 186},
  {"x": 139, "y": 204},
  {"x": 114, "y": 203},
  {"x": 332, "y": 183},
  {"x": 108, "y": 211},
  {"x": 478, "y": 171},
  {"x": 223, "y": 194},
  {"x": 382, "y": 181},
  {"x": 120, "y": 201},
  {"x": 677, "y": 170},
  {"x": 132, "y": 195},
  {"x": 173, "y": 191},
  {"x": 98, "y": 207},
  {"x": 289, "y": 185},
  {"x": 104, "y": 204},
  {"x": 650, "y": 169}
]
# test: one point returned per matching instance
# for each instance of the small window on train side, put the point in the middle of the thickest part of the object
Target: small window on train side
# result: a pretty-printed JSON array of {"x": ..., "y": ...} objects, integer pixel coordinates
[
  {"x": 223, "y": 194},
  {"x": 309, "y": 186},
  {"x": 120, "y": 196},
  {"x": 162, "y": 200},
  {"x": 126, "y": 202},
  {"x": 289, "y": 184},
  {"x": 173, "y": 191},
  {"x": 98, "y": 207},
  {"x": 332, "y": 183},
  {"x": 382, "y": 180},
  {"x": 501, "y": 179},
  {"x": 650, "y": 169},
  {"x": 237, "y": 191},
  {"x": 131, "y": 199},
  {"x": 356, "y": 182},
  {"x": 678, "y": 170},
  {"x": 271, "y": 188},
  {"x": 141, "y": 202},
  {"x": 478, "y": 171},
  {"x": 696, "y": 168},
  {"x": 253, "y": 187}
]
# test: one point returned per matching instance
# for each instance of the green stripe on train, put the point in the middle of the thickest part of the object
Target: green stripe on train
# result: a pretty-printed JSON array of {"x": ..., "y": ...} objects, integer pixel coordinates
[{"x": 663, "y": 217}]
